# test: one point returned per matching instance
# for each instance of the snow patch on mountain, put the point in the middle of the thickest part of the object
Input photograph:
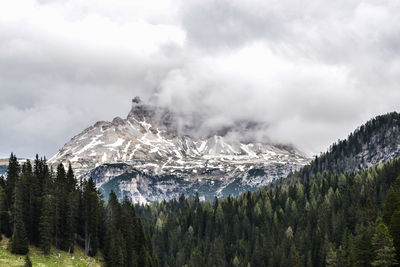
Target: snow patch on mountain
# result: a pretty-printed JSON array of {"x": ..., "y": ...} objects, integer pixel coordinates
[{"x": 160, "y": 162}]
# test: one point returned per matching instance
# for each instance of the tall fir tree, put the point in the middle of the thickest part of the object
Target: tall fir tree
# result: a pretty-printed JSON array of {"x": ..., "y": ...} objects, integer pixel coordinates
[
  {"x": 383, "y": 246},
  {"x": 46, "y": 224},
  {"x": 71, "y": 213},
  {"x": 19, "y": 239},
  {"x": 91, "y": 217},
  {"x": 395, "y": 231},
  {"x": 3, "y": 211},
  {"x": 12, "y": 178}
]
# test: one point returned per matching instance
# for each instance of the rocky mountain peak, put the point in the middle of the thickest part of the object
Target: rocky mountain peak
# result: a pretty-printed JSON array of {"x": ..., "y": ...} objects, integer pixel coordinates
[
  {"x": 152, "y": 114},
  {"x": 151, "y": 143}
]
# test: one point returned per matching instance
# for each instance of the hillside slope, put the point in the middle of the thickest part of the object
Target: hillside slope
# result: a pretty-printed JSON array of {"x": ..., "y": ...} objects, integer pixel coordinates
[
  {"x": 374, "y": 143},
  {"x": 327, "y": 218}
]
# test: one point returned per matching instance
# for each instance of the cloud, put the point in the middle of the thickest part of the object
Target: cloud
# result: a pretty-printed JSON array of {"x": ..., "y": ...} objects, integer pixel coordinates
[{"x": 309, "y": 71}]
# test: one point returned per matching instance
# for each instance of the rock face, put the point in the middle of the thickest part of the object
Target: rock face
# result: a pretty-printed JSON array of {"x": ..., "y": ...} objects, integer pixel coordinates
[{"x": 147, "y": 157}]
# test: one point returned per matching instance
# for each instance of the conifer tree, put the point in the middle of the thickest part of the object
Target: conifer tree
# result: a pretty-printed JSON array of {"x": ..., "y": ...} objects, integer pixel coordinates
[
  {"x": 60, "y": 199},
  {"x": 46, "y": 224},
  {"x": 71, "y": 211},
  {"x": 363, "y": 248},
  {"x": 12, "y": 178},
  {"x": 383, "y": 245},
  {"x": 91, "y": 217},
  {"x": 19, "y": 240},
  {"x": 392, "y": 201},
  {"x": 30, "y": 193},
  {"x": 395, "y": 231},
  {"x": 3, "y": 211}
]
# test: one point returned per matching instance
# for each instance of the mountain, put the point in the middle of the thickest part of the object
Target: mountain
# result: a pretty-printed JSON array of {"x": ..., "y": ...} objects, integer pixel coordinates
[
  {"x": 151, "y": 155},
  {"x": 330, "y": 213},
  {"x": 374, "y": 143},
  {"x": 330, "y": 219},
  {"x": 4, "y": 165}
]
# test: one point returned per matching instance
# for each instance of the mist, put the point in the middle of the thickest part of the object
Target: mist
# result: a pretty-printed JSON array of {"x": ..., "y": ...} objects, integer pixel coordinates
[{"x": 306, "y": 73}]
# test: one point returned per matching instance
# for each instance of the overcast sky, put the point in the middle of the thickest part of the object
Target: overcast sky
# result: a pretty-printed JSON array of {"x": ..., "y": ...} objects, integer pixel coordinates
[{"x": 311, "y": 70}]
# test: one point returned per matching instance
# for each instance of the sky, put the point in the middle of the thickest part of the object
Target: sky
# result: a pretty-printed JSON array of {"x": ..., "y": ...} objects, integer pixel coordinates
[{"x": 311, "y": 71}]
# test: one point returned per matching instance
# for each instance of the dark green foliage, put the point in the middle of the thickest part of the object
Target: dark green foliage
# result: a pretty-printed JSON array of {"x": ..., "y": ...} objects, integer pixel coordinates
[
  {"x": 395, "y": 231},
  {"x": 49, "y": 209},
  {"x": 3, "y": 211},
  {"x": 327, "y": 220},
  {"x": 392, "y": 201},
  {"x": 19, "y": 241},
  {"x": 383, "y": 246},
  {"x": 12, "y": 177},
  {"x": 363, "y": 249},
  {"x": 125, "y": 243},
  {"x": 46, "y": 224},
  {"x": 30, "y": 200},
  {"x": 90, "y": 217}
]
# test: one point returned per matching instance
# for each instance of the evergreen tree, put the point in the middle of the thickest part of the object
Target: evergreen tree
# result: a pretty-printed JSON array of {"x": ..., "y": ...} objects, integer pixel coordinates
[
  {"x": 395, "y": 231},
  {"x": 91, "y": 217},
  {"x": 12, "y": 178},
  {"x": 71, "y": 211},
  {"x": 196, "y": 259},
  {"x": 30, "y": 197},
  {"x": 46, "y": 224},
  {"x": 60, "y": 198},
  {"x": 363, "y": 248},
  {"x": 3, "y": 211},
  {"x": 44, "y": 210},
  {"x": 392, "y": 201},
  {"x": 19, "y": 240},
  {"x": 383, "y": 245}
]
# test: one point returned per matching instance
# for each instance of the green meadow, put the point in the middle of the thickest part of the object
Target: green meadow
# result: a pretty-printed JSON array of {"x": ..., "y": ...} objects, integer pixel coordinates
[{"x": 55, "y": 258}]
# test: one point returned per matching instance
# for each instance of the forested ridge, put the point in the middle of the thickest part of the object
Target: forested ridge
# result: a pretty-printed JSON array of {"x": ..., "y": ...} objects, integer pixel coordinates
[
  {"x": 372, "y": 143},
  {"x": 52, "y": 209},
  {"x": 330, "y": 220},
  {"x": 330, "y": 213},
  {"x": 333, "y": 212}
]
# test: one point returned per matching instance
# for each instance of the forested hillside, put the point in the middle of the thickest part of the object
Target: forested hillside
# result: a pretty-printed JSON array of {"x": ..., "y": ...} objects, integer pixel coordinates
[
  {"x": 46, "y": 209},
  {"x": 375, "y": 142},
  {"x": 333, "y": 212},
  {"x": 341, "y": 210},
  {"x": 330, "y": 220}
]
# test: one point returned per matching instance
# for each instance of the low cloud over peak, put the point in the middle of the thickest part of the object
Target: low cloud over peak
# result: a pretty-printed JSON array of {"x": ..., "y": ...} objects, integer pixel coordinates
[{"x": 310, "y": 71}]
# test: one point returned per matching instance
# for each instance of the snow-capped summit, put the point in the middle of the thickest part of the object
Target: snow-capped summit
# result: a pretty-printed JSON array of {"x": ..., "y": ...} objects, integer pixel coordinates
[{"x": 159, "y": 161}]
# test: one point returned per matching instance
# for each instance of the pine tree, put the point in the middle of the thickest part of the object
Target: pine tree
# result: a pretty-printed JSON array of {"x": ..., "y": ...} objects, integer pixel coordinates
[
  {"x": 12, "y": 178},
  {"x": 91, "y": 217},
  {"x": 395, "y": 231},
  {"x": 46, "y": 224},
  {"x": 60, "y": 198},
  {"x": 3, "y": 211},
  {"x": 392, "y": 201},
  {"x": 197, "y": 259},
  {"x": 30, "y": 196},
  {"x": 19, "y": 240},
  {"x": 71, "y": 211},
  {"x": 383, "y": 245},
  {"x": 363, "y": 248}
]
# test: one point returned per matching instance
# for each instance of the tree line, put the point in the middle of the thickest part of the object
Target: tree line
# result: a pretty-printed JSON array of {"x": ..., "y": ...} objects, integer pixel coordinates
[
  {"x": 48, "y": 209},
  {"x": 328, "y": 219}
]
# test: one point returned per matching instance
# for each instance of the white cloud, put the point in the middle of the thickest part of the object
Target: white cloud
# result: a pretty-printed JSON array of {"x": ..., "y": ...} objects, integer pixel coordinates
[{"x": 312, "y": 71}]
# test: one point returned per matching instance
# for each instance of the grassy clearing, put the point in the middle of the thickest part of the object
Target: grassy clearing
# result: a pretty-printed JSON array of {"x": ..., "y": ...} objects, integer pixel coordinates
[{"x": 55, "y": 258}]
